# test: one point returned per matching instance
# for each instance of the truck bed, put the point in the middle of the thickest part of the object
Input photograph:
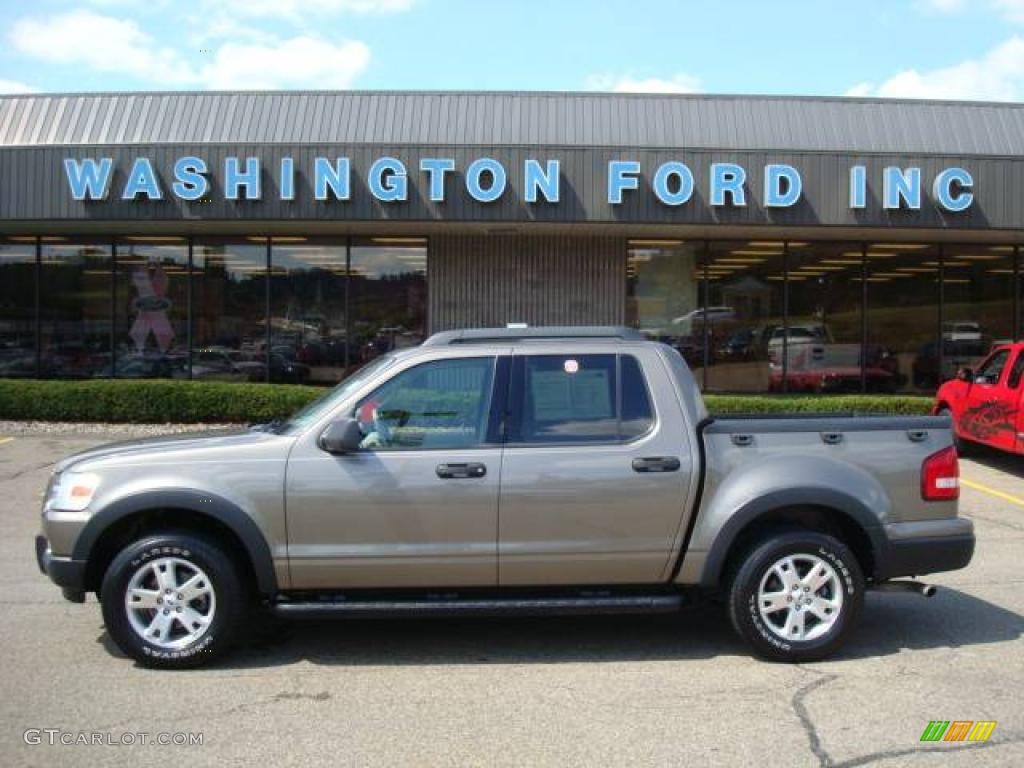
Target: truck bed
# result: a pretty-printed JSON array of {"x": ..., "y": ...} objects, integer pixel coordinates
[{"x": 785, "y": 461}]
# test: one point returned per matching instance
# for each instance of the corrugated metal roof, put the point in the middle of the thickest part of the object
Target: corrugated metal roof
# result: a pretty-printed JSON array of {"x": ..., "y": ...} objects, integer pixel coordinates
[{"x": 513, "y": 119}]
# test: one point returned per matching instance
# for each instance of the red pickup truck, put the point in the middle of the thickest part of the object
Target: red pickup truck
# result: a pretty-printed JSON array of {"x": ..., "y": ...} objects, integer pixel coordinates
[{"x": 986, "y": 403}]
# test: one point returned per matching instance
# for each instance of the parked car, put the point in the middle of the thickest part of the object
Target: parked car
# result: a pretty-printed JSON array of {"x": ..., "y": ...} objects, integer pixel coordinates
[
  {"x": 135, "y": 366},
  {"x": 217, "y": 364},
  {"x": 693, "y": 321},
  {"x": 617, "y": 494},
  {"x": 797, "y": 334},
  {"x": 834, "y": 369},
  {"x": 986, "y": 403},
  {"x": 961, "y": 332}
]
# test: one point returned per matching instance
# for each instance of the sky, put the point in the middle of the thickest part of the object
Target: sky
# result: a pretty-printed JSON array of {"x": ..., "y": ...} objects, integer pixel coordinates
[{"x": 940, "y": 49}]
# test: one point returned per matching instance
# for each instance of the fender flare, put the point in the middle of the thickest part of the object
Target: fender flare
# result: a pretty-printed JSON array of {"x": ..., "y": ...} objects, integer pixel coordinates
[
  {"x": 205, "y": 504},
  {"x": 828, "y": 498}
]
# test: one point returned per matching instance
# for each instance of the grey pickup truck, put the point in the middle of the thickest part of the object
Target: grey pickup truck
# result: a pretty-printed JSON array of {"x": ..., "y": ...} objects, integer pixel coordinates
[{"x": 540, "y": 470}]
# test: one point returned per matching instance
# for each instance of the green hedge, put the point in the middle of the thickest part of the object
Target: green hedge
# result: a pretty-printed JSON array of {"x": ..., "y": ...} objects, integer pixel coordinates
[
  {"x": 903, "y": 405},
  {"x": 189, "y": 402},
  {"x": 150, "y": 402}
]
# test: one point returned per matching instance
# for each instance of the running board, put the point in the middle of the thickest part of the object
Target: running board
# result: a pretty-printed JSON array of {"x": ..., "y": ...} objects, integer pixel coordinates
[{"x": 539, "y": 606}]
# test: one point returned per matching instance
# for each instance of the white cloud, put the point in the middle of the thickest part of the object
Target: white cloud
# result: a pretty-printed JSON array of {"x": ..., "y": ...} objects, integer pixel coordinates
[
  {"x": 297, "y": 9},
  {"x": 996, "y": 76},
  {"x": 102, "y": 43},
  {"x": 106, "y": 44},
  {"x": 1012, "y": 10},
  {"x": 297, "y": 62},
  {"x": 14, "y": 86},
  {"x": 943, "y": 6},
  {"x": 678, "y": 83}
]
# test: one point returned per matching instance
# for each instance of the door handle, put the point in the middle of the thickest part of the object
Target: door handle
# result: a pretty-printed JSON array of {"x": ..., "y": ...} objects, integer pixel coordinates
[
  {"x": 461, "y": 471},
  {"x": 656, "y": 464}
]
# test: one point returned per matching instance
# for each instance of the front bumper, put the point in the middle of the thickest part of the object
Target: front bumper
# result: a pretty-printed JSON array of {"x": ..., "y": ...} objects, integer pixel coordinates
[
  {"x": 65, "y": 572},
  {"x": 915, "y": 549}
]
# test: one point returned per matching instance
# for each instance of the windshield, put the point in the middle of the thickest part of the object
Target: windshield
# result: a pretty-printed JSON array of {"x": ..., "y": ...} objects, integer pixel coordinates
[{"x": 315, "y": 410}]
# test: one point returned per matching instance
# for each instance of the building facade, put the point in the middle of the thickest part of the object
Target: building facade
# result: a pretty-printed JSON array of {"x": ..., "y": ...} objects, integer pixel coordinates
[{"x": 781, "y": 244}]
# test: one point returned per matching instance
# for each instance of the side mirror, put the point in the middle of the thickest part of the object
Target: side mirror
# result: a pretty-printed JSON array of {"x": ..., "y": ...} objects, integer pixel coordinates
[
  {"x": 965, "y": 374},
  {"x": 341, "y": 436}
]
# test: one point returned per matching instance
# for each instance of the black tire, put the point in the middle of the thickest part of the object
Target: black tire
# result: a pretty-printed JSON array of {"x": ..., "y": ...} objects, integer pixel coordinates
[
  {"x": 963, "y": 447},
  {"x": 230, "y": 601},
  {"x": 764, "y": 636}
]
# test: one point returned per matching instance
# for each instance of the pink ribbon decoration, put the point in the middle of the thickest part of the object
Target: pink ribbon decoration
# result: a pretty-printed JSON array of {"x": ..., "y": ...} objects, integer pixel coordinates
[{"x": 152, "y": 306}]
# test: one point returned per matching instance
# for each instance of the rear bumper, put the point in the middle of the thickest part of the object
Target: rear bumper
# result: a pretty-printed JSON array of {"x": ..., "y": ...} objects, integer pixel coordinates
[
  {"x": 915, "y": 549},
  {"x": 63, "y": 571}
]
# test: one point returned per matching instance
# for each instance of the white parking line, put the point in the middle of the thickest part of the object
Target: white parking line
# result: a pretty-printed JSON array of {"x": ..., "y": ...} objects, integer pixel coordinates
[{"x": 5, "y": 440}]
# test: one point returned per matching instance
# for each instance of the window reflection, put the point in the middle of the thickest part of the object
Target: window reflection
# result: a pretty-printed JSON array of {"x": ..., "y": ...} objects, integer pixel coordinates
[
  {"x": 902, "y": 317},
  {"x": 743, "y": 319},
  {"x": 663, "y": 293},
  {"x": 387, "y": 295},
  {"x": 17, "y": 309},
  {"x": 977, "y": 304},
  {"x": 75, "y": 302},
  {"x": 307, "y": 311},
  {"x": 152, "y": 310},
  {"x": 229, "y": 284},
  {"x": 823, "y": 351}
]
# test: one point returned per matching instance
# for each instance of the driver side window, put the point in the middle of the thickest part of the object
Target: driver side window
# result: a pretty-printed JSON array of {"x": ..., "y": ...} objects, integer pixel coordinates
[
  {"x": 441, "y": 404},
  {"x": 992, "y": 369}
]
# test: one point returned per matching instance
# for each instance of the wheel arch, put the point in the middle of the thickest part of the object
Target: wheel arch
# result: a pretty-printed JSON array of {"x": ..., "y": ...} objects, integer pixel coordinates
[
  {"x": 125, "y": 519},
  {"x": 823, "y": 511}
]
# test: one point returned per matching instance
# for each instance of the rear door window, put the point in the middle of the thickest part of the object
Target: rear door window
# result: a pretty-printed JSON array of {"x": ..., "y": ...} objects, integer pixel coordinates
[{"x": 579, "y": 399}]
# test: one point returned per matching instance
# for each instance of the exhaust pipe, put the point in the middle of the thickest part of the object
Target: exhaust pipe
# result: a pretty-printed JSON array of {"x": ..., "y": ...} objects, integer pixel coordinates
[{"x": 925, "y": 590}]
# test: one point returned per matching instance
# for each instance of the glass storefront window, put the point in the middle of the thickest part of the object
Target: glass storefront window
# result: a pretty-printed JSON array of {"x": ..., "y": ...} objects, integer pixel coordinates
[
  {"x": 307, "y": 311},
  {"x": 75, "y": 303},
  {"x": 387, "y": 295},
  {"x": 823, "y": 349},
  {"x": 663, "y": 293},
  {"x": 229, "y": 310},
  {"x": 902, "y": 317},
  {"x": 151, "y": 322},
  {"x": 17, "y": 308},
  {"x": 977, "y": 309},
  {"x": 1019, "y": 258},
  {"x": 743, "y": 319}
]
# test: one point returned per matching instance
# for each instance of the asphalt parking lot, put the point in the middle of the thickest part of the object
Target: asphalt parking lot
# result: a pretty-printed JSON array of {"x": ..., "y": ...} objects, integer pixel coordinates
[{"x": 660, "y": 690}]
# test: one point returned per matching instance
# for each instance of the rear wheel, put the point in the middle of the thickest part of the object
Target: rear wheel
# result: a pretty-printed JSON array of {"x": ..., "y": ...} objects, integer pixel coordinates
[
  {"x": 173, "y": 600},
  {"x": 963, "y": 447},
  {"x": 796, "y": 596}
]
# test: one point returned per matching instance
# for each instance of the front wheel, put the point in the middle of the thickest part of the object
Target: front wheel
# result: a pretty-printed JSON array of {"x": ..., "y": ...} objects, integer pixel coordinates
[
  {"x": 796, "y": 597},
  {"x": 172, "y": 600}
]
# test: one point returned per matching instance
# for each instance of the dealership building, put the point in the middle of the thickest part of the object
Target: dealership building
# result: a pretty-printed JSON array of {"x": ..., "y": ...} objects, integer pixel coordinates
[{"x": 781, "y": 244}]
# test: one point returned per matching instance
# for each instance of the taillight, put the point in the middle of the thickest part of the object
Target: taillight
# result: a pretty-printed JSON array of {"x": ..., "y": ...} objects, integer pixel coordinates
[{"x": 940, "y": 476}]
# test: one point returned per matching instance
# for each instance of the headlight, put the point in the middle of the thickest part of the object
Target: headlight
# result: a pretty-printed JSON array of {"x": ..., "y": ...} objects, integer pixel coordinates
[{"x": 72, "y": 492}]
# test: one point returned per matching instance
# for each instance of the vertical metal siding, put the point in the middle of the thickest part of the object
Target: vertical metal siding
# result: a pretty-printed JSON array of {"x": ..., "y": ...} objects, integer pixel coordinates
[{"x": 479, "y": 281}]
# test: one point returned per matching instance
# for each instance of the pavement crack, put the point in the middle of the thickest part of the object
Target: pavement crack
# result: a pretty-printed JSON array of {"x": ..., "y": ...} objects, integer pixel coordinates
[
  {"x": 806, "y": 721},
  {"x": 28, "y": 470}
]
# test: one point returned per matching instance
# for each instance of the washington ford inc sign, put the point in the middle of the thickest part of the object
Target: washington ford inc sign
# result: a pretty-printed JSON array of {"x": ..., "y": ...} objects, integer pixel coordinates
[{"x": 487, "y": 180}]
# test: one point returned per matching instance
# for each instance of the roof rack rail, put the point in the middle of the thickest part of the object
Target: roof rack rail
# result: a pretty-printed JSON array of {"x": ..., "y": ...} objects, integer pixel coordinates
[{"x": 485, "y": 335}]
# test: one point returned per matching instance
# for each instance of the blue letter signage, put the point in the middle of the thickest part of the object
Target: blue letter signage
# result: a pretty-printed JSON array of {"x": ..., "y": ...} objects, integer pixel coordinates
[{"x": 486, "y": 180}]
